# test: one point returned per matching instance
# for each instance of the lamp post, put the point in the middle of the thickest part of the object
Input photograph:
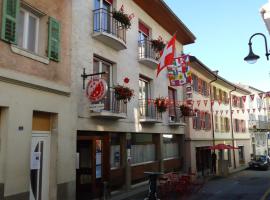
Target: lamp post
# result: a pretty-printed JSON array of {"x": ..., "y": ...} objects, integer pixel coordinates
[{"x": 252, "y": 58}]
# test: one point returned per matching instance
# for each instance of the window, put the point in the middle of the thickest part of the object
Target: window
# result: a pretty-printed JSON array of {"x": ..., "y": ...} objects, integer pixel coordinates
[
  {"x": 243, "y": 126},
  {"x": 207, "y": 121},
  {"x": 220, "y": 95},
  {"x": 196, "y": 120},
  {"x": 222, "y": 124},
  {"x": 241, "y": 154},
  {"x": 100, "y": 65},
  {"x": 172, "y": 103},
  {"x": 28, "y": 27},
  {"x": 227, "y": 124},
  {"x": 195, "y": 82},
  {"x": 216, "y": 123},
  {"x": 144, "y": 96},
  {"x": 171, "y": 146},
  {"x": 202, "y": 120},
  {"x": 115, "y": 157},
  {"x": 142, "y": 148},
  {"x": 104, "y": 16},
  {"x": 24, "y": 32},
  {"x": 215, "y": 93}
]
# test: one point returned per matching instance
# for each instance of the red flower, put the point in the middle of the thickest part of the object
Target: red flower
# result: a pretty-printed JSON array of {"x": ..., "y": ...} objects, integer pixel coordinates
[{"x": 126, "y": 80}]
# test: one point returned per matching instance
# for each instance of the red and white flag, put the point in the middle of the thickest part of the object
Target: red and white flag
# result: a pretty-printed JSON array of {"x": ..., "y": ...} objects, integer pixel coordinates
[
  {"x": 244, "y": 98},
  {"x": 252, "y": 97},
  {"x": 167, "y": 55}
]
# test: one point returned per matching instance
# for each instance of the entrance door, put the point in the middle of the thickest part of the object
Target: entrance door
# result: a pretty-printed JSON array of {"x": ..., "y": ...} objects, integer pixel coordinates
[
  {"x": 90, "y": 171},
  {"x": 39, "y": 167}
]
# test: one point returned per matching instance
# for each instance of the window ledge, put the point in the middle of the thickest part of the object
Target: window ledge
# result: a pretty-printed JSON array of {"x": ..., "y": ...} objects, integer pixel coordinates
[
  {"x": 28, "y": 54},
  {"x": 142, "y": 163}
]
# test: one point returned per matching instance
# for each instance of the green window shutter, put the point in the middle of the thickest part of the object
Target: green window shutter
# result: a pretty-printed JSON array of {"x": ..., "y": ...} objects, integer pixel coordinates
[
  {"x": 54, "y": 40},
  {"x": 9, "y": 20}
]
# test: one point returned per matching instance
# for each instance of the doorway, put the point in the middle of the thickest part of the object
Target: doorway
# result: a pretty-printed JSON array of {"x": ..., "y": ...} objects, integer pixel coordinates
[
  {"x": 40, "y": 164},
  {"x": 92, "y": 166}
]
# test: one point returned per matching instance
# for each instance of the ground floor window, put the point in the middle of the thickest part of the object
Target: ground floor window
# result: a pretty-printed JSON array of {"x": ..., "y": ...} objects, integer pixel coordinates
[
  {"x": 142, "y": 148},
  {"x": 171, "y": 146},
  {"x": 115, "y": 150}
]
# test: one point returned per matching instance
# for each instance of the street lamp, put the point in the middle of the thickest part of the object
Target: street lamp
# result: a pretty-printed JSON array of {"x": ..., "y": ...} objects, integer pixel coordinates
[{"x": 251, "y": 57}]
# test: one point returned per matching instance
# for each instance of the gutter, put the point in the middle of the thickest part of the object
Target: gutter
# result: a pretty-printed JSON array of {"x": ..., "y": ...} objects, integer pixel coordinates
[
  {"x": 230, "y": 96},
  {"x": 211, "y": 109}
]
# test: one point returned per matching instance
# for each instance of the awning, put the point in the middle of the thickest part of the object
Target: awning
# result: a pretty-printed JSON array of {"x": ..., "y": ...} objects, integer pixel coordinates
[{"x": 222, "y": 147}]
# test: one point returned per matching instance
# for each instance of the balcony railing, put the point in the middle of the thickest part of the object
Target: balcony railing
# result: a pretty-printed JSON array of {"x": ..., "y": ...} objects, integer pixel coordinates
[
  {"x": 147, "y": 55},
  {"x": 174, "y": 115},
  {"x": 110, "y": 107},
  {"x": 148, "y": 112},
  {"x": 256, "y": 124},
  {"x": 108, "y": 30}
]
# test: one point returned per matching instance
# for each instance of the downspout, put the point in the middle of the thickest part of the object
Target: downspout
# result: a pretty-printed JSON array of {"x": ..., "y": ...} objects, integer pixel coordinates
[
  {"x": 211, "y": 109},
  {"x": 230, "y": 96}
]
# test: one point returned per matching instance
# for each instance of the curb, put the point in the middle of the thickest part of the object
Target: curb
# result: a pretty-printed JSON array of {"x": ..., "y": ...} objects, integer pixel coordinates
[{"x": 266, "y": 194}]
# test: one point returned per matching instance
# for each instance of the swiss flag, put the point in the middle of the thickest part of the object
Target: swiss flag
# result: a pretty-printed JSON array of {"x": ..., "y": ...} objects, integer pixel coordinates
[{"x": 167, "y": 55}]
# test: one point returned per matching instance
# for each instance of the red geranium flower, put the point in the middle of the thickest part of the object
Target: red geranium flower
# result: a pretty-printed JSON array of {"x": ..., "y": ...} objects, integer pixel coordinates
[{"x": 126, "y": 80}]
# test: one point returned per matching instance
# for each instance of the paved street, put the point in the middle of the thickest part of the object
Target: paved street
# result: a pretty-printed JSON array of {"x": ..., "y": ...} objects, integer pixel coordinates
[{"x": 244, "y": 185}]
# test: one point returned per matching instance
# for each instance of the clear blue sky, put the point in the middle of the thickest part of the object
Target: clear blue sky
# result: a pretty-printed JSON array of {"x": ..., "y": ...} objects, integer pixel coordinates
[{"x": 222, "y": 29}]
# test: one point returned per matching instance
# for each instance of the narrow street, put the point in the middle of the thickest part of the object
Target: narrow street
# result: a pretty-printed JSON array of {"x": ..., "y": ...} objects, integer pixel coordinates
[{"x": 245, "y": 185}]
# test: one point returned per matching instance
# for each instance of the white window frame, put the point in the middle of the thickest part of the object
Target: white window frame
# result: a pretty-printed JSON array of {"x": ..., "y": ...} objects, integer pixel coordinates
[{"x": 26, "y": 30}]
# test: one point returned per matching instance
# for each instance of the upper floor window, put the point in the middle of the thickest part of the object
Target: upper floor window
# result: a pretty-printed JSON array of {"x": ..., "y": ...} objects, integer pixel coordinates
[
  {"x": 24, "y": 32},
  {"x": 172, "y": 102},
  {"x": 28, "y": 29},
  {"x": 143, "y": 32}
]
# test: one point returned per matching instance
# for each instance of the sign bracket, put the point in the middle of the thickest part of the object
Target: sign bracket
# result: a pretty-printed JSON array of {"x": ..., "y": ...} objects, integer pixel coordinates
[{"x": 85, "y": 76}]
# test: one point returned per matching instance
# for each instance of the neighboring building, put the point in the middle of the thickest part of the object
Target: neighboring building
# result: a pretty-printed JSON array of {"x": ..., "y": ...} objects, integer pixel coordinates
[
  {"x": 36, "y": 126},
  {"x": 199, "y": 134},
  {"x": 258, "y": 120},
  {"x": 217, "y": 120},
  {"x": 119, "y": 141}
]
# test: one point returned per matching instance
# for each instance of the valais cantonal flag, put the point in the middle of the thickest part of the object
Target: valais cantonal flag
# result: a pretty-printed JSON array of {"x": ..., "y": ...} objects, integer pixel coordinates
[{"x": 167, "y": 55}]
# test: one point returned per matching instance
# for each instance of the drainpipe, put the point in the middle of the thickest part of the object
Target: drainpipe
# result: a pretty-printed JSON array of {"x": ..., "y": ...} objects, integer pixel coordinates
[
  {"x": 211, "y": 109},
  {"x": 230, "y": 96}
]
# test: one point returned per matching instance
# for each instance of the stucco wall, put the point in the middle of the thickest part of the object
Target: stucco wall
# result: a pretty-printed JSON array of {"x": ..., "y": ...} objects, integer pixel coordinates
[
  {"x": 126, "y": 65},
  {"x": 58, "y": 72}
]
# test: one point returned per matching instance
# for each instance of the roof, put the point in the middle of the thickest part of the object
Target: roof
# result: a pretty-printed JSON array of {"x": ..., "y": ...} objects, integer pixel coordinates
[
  {"x": 161, "y": 13},
  {"x": 219, "y": 78}
]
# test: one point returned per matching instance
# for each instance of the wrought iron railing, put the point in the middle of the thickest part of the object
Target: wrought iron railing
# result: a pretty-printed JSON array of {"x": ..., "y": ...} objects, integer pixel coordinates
[
  {"x": 146, "y": 50},
  {"x": 104, "y": 22},
  {"x": 112, "y": 104},
  {"x": 148, "y": 110}
]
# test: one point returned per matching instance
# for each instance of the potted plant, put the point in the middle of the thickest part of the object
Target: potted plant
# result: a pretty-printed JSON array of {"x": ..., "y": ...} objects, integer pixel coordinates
[
  {"x": 158, "y": 44},
  {"x": 122, "y": 92},
  {"x": 123, "y": 18},
  {"x": 185, "y": 110},
  {"x": 161, "y": 104}
]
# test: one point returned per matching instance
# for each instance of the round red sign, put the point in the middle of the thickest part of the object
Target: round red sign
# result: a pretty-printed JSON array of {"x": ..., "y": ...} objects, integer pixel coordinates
[{"x": 96, "y": 90}]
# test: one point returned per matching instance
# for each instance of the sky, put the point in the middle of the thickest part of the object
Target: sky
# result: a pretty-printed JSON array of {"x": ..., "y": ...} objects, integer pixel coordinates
[{"x": 222, "y": 29}]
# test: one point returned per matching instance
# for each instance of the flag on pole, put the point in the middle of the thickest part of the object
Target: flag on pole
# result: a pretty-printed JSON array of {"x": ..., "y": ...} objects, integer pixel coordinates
[
  {"x": 179, "y": 73},
  {"x": 167, "y": 55}
]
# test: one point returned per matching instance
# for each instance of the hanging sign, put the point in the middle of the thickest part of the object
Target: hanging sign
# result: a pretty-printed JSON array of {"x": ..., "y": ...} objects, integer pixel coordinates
[{"x": 96, "y": 90}]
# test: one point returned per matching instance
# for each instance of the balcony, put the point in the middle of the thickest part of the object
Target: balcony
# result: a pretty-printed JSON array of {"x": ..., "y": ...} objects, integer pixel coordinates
[
  {"x": 108, "y": 30},
  {"x": 148, "y": 113},
  {"x": 147, "y": 55},
  {"x": 259, "y": 125},
  {"x": 174, "y": 116},
  {"x": 109, "y": 108}
]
